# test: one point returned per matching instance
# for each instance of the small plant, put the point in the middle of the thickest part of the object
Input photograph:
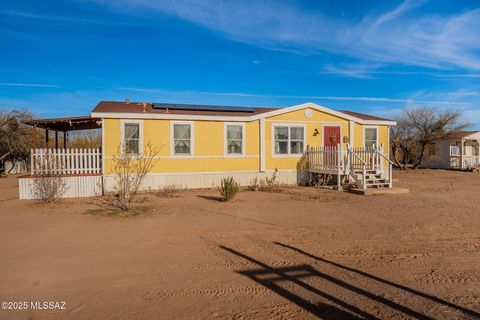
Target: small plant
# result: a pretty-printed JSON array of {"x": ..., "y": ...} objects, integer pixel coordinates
[
  {"x": 255, "y": 184},
  {"x": 228, "y": 188},
  {"x": 273, "y": 180},
  {"x": 170, "y": 191},
  {"x": 268, "y": 184}
]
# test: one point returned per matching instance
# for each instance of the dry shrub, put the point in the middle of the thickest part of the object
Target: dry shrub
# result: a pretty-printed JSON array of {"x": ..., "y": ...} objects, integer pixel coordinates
[
  {"x": 268, "y": 184},
  {"x": 48, "y": 186},
  {"x": 170, "y": 191},
  {"x": 130, "y": 170},
  {"x": 228, "y": 188},
  {"x": 255, "y": 185}
]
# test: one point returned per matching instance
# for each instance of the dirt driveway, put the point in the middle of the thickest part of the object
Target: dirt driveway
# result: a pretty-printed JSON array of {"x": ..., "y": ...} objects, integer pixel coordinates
[{"x": 298, "y": 254}]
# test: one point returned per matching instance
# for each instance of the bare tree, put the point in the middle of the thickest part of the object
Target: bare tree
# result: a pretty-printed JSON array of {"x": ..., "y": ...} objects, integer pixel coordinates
[
  {"x": 48, "y": 185},
  {"x": 418, "y": 127},
  {"x": 15, "y": 137},
  {"x": 86, "y": 139},
  {"x": 130, "y": 170}
]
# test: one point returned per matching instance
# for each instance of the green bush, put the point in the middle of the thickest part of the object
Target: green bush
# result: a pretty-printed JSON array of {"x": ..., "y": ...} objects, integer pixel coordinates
[{"x": 228, "y": 188}]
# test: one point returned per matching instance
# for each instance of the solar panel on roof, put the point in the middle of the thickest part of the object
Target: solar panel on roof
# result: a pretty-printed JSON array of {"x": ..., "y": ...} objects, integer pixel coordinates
[{"x": 196, "y": 107}]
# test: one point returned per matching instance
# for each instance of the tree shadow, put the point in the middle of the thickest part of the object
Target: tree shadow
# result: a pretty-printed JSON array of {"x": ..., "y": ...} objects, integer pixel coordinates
[
  {"x": 271, "y": 278},
  {"x": 384, "y": 281},
  {"x": 268, "y": 277}
]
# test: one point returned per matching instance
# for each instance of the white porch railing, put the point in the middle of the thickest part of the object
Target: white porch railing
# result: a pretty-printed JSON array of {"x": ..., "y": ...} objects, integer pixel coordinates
[
  {"x": 464, "y": 162},
  {"x": 65, "y": 161},
  {"x": 349, "y": 161}
]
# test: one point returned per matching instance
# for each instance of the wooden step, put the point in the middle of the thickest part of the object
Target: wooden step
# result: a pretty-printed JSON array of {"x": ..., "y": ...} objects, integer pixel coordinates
[{"x": 378, "y": 185}]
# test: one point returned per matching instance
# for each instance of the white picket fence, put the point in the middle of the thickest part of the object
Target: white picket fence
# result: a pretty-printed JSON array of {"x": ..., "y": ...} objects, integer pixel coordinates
[{"x": 65, "y": 161}]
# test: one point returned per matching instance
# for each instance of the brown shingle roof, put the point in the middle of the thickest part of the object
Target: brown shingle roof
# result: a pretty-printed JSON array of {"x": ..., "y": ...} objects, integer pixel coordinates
[
  {"x": 138, "y": 107},
  {"x": 363, "y": 116}
]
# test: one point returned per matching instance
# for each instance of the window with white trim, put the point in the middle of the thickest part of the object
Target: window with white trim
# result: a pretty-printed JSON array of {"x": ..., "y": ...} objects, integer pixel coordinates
[
  {"x": 234, "y": 138},
  {"x": 289, "y": 140},
  {"x": 371, "y": 137},
  {"x": 182, "y": 138},
  {"x": 131, "y": 137}
]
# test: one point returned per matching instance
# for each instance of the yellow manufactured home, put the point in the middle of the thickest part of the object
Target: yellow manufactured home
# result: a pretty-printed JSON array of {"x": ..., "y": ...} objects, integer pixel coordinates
[{"x": 198, "y": 144}]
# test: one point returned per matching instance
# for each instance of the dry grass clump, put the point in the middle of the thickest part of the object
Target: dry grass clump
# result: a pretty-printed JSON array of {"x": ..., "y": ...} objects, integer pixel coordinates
[
  {"x": 324, "y": 197},
  {"x": 269, "y": 184},
  {"x": 133, "y": 211},
  {"x": 170, "y": 191}
]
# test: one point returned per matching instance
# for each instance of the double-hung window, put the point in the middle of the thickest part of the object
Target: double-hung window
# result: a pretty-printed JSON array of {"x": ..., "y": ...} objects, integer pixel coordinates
[
  {"x": 182, "y": 139},
  {"x": 371, "y": 137},
  {"x": 289, "y": 140},
  {"x": 234, "y": 139},
  {"x": 132, "y": 137}
]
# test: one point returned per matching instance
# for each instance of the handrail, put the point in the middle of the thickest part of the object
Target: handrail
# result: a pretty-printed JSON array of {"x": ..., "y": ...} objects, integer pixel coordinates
[
  {"x": 390, "y": 167},
  {"x": 364, "y": 167},
  {"x": 383, "y": 156},
  {"x": 356, "y": 156}
]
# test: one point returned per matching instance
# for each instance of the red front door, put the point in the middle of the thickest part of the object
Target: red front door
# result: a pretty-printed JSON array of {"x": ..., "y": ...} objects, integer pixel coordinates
[{"x": 331, "y": 136}]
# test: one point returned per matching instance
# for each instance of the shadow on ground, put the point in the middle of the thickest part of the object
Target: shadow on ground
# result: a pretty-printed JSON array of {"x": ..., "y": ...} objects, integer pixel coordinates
[{"x": 286, "y": 282}]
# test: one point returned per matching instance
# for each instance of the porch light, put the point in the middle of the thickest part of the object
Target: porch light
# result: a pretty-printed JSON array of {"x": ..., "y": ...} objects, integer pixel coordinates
[{"x": 315, "y": 132}]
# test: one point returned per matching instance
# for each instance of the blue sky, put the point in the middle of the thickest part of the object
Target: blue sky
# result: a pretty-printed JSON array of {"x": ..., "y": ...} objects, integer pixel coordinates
[{"x": 60, "y": 58}]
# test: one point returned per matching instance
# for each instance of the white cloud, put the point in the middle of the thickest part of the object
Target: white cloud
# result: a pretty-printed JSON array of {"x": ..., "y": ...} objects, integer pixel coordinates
[
  {"x": 441, "y": 100},
  {"x": 399, "y": 36},
  {"x": 40, "y": 85}
]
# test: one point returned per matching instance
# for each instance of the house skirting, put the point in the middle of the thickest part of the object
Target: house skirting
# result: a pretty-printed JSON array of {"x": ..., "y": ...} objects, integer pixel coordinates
[
  {"x": 90, "y": 185},
  {"x": 198, "y": 180},
  {"x": 77, "y": 186}
]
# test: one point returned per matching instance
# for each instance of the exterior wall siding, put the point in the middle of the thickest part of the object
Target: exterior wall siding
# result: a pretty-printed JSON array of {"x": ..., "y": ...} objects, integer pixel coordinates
[
  {"x": 209, "y": 147},
  {"x": 317, "y": 120}
]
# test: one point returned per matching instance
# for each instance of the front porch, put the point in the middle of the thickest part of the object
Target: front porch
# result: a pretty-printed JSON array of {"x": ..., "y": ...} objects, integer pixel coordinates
[
  {"x": 361, "y": 167},
  {"x": 465, "y": 154}
]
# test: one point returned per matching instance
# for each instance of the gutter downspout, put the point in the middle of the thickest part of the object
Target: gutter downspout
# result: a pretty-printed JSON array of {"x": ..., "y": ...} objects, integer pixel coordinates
[{"x": 262, "y": 144}]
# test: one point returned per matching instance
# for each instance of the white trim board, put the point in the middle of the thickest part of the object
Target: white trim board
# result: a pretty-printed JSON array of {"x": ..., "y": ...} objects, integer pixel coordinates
[
  {"x": 193, "y": 157},
  {"x": 135, "y": 115}
]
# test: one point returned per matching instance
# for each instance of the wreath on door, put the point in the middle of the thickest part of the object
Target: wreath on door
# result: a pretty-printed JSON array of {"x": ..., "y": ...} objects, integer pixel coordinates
[{"x": 333, "y": 138}]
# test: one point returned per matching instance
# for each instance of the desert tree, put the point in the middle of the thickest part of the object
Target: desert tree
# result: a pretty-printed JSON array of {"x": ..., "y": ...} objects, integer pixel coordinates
[
  {"x": 130, "y": 169},
  {"x": 418, "y": 127},
  {"x": 15, "y": 137}
]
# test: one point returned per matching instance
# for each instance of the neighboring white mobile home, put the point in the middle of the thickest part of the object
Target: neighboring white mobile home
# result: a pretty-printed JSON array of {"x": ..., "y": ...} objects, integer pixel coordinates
[{"x": 461, "y": 152}]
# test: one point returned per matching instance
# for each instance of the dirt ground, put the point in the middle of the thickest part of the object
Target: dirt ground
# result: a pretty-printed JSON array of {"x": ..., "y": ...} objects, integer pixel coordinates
[{"x": 302, "y": 253}]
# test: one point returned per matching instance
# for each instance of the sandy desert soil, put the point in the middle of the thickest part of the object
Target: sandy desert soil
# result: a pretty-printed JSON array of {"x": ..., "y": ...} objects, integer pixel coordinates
[{"x": 303, "y": 253}]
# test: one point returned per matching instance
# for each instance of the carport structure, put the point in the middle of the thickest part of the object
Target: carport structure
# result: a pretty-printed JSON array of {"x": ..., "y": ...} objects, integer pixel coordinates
[
  {"x": 80, "y": 168},
  {"x": 61, "y": 125}
]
